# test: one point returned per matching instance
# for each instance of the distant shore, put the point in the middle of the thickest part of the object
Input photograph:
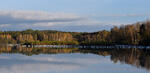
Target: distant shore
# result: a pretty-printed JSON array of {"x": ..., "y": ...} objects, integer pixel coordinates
[
  {"x": 133, "y": 34},
  {"x": 82, "y": 46}
]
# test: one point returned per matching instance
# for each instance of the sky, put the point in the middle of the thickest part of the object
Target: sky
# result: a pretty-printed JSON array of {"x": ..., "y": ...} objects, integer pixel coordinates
[{"x": 71, "y": 15}]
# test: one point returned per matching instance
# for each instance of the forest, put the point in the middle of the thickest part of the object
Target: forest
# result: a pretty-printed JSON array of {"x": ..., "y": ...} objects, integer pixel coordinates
[{"x": 130, "y": 34}]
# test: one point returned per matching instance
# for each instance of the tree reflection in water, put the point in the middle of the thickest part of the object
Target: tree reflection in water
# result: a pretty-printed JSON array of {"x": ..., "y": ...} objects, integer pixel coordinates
[{"x": 135, "y": 57}]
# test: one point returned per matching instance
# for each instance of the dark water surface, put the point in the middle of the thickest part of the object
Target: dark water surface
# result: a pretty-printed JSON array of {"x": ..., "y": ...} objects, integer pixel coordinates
[{"x": 19, "y": 59}]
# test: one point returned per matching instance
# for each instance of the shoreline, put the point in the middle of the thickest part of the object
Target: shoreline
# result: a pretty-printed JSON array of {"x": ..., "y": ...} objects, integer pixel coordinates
[{"x": 83, "y": 46}]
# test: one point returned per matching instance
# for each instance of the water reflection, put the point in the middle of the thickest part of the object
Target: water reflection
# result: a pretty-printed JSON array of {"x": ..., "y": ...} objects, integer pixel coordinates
[{"x": 19, "y": 59}]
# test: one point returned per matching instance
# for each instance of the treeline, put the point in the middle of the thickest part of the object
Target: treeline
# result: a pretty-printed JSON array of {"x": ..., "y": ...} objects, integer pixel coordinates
[
  {"x": 31, "y": 36},
  {"x": 133, "y": 34}
]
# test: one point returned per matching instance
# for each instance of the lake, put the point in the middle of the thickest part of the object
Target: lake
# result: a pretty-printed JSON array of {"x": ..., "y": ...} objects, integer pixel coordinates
[{"x": 17, "y": 59}]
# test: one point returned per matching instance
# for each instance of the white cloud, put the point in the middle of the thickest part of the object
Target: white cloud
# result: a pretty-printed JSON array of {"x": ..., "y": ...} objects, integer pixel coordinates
[
  {"x": 40, "y": 20},
  {"x": 5, "y": 25},
  {"x": 13, "y": 20},
  {"x": 21, "y": 17},
  {"x": 121, "y": 15},
  {"x": 20, "y": 20}
]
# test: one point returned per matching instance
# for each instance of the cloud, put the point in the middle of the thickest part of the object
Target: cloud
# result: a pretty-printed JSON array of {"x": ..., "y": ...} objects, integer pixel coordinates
[
  {"x": 24, "y": 17},
  {"x": 40, "y": 20},
  {"x": 20, "y": 20},
  {"x": 129, "y": 15},
  {"x": 121, "y": 15}
]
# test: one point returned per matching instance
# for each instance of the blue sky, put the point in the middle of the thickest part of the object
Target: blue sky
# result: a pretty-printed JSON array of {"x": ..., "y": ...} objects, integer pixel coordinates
[{"x": 79, "y": 15}]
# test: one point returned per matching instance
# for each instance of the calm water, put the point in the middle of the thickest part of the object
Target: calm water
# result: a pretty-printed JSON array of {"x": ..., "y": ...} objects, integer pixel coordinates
[{"x": 48, "y": 60}]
